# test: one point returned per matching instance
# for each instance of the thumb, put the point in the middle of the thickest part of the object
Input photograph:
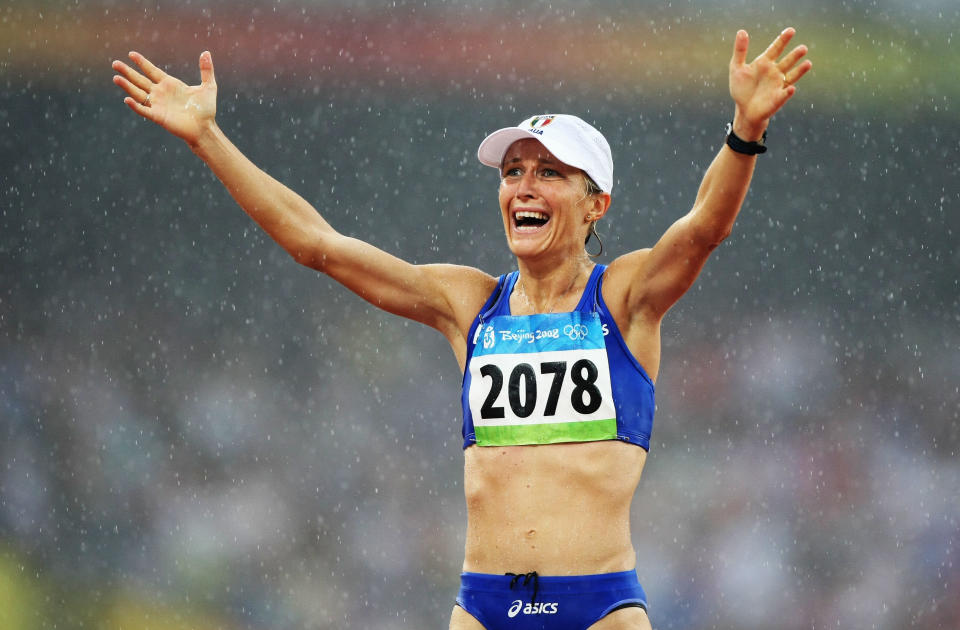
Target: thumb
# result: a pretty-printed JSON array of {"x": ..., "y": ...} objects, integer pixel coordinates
[
  {"x": 206, "y": 68},
  {"x": 740, "y": 44}
]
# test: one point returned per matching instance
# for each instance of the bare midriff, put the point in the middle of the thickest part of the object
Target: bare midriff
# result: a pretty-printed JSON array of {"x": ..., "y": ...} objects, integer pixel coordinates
[{"x": 557, "y": 509}]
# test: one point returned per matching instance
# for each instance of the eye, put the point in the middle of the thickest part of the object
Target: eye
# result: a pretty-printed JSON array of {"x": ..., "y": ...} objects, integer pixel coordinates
[
  {"x": 514, "y": 171},
  {"x": 549, "y": 172}
]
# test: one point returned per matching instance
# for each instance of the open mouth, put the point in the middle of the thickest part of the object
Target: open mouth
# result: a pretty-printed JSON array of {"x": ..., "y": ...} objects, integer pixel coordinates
[{"x": 529, "y": 220}]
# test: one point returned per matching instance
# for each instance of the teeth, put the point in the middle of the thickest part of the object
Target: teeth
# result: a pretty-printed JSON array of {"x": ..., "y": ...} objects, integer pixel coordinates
[{"x": 529, "y": 214}]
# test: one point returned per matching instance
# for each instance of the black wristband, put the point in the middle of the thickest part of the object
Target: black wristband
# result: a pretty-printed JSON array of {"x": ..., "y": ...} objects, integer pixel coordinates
[{"x": 740, "y": 145}]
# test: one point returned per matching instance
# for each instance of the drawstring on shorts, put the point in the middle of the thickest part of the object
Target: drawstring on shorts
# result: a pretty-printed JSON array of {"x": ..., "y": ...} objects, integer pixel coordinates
[{"x": 527, "y": 577}]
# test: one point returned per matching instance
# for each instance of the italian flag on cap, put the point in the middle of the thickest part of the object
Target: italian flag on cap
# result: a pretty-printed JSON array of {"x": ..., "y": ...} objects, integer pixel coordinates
[{"x": 541, "y": 121}]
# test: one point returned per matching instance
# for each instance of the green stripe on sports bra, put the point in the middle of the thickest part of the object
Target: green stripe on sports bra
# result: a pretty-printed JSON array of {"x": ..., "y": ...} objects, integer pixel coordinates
[{"x": 550, "y": 433}]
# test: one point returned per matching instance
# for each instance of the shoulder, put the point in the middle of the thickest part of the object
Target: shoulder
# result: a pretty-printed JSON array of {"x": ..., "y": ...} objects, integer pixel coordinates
[
  {"x": 626, "y": 294},
  {"x": 628, "y": 286},
  {"x": 620, "y": 281},
  {"x": 465, "y": 290},
  {"x": 463, "y": 283}
]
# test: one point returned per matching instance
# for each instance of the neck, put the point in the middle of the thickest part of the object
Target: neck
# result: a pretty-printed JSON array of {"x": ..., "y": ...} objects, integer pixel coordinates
[{"x": 544, "y": 290}]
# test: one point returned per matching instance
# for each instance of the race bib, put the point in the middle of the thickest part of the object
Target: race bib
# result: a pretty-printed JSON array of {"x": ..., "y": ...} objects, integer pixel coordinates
[{"x": 541, "y": 379}]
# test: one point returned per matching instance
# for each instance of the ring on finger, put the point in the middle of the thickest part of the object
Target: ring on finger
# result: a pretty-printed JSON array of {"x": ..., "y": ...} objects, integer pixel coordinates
[{"x": 146, "y": 101}]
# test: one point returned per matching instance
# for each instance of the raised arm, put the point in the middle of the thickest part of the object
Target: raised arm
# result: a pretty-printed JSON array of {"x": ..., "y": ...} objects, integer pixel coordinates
[
  {"x": 431, "y": 294},
  {"x": 653, "y": 280}
]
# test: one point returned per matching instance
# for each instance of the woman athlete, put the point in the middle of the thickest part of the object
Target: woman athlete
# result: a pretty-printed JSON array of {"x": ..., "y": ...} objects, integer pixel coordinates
[{"x": 559, "y": 357}]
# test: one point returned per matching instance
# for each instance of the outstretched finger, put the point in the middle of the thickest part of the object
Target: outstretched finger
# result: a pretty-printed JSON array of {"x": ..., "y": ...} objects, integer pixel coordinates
[
  {"x": 785, "y": 95},
  {"x": 206, "y": 68},
  {"x": 153, "y": 73},
  {"x": 795, "y": 74},
  {"x": 131, "y": 76},
  {"x": 791, "y": 59},
  {"x": 777, "y": 46},
  {"x": 135, "y": 92},
  {"x": 141, "y": 109},
  {"x": 740, "y": 44}
]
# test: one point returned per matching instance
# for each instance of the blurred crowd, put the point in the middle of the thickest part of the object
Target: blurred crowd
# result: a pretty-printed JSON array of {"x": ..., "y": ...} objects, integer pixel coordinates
[{"x": 243, "y": 488}]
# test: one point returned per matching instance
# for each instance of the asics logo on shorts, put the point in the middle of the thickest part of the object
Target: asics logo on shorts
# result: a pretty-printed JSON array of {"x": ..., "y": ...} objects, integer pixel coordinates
[{"x": 539, "y": 608}]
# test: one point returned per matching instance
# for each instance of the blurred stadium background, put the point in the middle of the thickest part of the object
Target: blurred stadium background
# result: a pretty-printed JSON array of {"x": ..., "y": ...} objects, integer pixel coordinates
[{"x": 197, "y": 433}]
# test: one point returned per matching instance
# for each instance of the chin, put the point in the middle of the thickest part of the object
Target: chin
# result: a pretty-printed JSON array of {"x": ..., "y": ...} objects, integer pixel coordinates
[{"x": 526, "y": 247}]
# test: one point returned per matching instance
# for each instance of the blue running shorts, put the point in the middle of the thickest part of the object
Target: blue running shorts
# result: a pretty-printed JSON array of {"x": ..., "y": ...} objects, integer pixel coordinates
[{"x": 529, "y": 601}]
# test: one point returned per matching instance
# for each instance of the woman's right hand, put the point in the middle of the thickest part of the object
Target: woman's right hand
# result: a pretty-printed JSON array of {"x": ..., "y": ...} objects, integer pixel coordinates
[{"x": 187, "y": 111}]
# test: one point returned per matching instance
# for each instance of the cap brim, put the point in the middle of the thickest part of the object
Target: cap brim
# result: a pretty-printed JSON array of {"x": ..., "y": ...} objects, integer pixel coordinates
[{"x": 495, "y": 145}]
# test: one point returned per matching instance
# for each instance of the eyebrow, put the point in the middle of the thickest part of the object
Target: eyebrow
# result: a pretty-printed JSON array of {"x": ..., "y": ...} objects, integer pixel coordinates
[{"x": 517, "y": 158}]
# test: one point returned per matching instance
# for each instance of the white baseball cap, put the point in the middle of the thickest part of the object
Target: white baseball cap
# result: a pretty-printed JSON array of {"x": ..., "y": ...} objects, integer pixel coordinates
[{"x": 570, "y": 139}]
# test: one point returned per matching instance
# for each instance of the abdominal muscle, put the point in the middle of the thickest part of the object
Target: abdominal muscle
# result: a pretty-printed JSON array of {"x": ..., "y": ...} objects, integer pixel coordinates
[{"x": 557, "y": 509}]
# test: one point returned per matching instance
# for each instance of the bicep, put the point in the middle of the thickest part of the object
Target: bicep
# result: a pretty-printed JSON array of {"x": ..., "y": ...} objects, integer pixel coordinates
[
  {"x": 429, "y": 294},
  {"x": 654, "y": 279}
]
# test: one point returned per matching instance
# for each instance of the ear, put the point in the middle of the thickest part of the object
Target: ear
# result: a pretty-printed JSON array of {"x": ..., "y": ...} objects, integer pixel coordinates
[{"x": 599, "y": 206}]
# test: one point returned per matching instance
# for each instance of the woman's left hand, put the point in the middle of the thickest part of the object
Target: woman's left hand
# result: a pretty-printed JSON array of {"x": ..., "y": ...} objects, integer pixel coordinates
[{"x": 760, "y": 88}]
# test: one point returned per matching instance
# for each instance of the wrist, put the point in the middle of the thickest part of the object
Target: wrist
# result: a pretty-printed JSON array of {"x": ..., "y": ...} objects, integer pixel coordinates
[
  {"x": 748, "y": 130},
  {"x": 208, "y": 137},
  {"x": 745, "y": 147}
]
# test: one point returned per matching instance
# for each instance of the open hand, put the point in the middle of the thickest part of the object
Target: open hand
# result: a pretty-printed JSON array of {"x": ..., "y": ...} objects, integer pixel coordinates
[
  {"x": 186, "y": 111},
  {"x": 760, "y": 88}
]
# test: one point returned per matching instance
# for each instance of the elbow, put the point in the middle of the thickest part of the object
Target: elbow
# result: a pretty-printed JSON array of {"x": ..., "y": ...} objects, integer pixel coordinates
[
  {"x": 309, "y": 251},
  {"x": 310, "y": 256},
  {"x": 709, "y": 235},
  {"x": 304, "y": 256},
  {"x": 708, "y": 230},
  {"x": 720, "y": 236}
]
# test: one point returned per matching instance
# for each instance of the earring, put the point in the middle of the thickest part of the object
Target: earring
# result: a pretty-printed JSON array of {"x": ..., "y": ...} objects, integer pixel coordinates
[{"x": 593, "y": 232}]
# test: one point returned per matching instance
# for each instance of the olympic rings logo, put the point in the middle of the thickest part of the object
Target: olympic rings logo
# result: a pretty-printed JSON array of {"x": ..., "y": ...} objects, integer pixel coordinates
[{"x": 575, "y": 331}]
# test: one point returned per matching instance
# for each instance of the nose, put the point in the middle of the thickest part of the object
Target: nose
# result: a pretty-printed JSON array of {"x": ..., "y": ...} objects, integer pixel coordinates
[{"x": 527, "y": 186}]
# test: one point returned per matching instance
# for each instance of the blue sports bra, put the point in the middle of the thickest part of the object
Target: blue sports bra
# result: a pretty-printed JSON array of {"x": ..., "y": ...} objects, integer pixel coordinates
[{"x": 549, "y": 378}]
